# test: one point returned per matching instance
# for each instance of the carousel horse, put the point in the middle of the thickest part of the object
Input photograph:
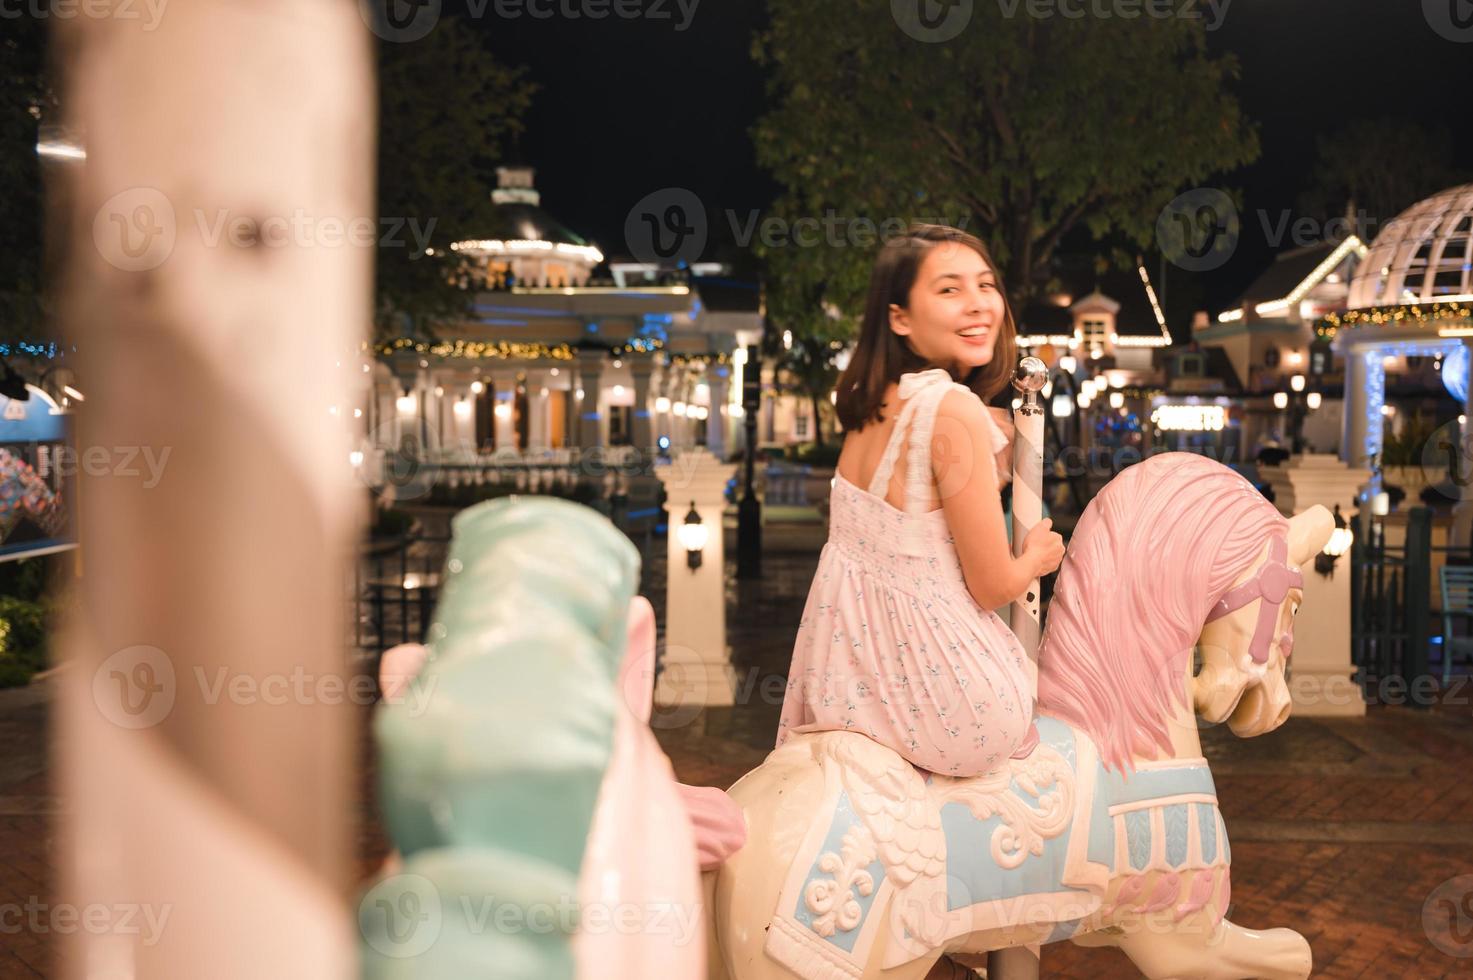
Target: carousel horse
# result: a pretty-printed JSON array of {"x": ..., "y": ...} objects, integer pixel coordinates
[
  {"x": 858, "y": 865},
  {"x": 540, "y": 832}
]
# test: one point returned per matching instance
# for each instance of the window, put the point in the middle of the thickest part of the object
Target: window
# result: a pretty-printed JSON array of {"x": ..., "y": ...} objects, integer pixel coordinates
[
  {"x": 1189, "y": 366},
  {"x": 1271, "y": 357},
  {"x": 1094, "y": 332},
  {"x": 1319, "y": 362},
  {"x": 800, "y": 425}
]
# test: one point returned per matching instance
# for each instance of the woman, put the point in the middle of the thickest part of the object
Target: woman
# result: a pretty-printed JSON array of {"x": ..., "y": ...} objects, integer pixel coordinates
[{"x": 898, "y": 641}]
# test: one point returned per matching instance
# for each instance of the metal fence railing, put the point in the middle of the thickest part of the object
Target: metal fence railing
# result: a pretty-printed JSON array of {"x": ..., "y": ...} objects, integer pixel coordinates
[{"x": 1395, "y": 605}]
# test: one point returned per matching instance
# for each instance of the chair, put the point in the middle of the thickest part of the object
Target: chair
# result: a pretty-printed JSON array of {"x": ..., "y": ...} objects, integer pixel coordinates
[{"x": 1457, "y": 600}]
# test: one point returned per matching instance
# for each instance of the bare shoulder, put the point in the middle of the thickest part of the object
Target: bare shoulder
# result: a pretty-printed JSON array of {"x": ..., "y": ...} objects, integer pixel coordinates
[{"x": 964, "y": 407}]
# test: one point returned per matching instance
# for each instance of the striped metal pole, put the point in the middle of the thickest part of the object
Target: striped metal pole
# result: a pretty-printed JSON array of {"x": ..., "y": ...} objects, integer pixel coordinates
[
  {"x": 1029, "y": 379},
  {"x": 1023, "y": 962}
]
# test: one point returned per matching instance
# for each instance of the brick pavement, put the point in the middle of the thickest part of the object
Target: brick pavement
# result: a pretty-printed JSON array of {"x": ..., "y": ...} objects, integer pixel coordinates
[{"x": 1340, "y": 829}]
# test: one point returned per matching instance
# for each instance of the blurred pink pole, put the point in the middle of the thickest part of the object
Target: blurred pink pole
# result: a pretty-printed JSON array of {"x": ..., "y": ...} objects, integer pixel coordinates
[{"x": 204, "y": 736}]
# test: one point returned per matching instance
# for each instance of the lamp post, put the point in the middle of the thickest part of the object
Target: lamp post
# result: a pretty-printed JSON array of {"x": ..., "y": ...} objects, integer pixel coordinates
[
  {"x": 1281, "y": 403},
  {"x": 749, "y": 509},
  {"x": 1296, "y": 414}
]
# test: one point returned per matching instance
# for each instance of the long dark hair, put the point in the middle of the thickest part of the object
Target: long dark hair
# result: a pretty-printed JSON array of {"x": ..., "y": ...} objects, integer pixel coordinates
[{"x": 881, "y": 356}]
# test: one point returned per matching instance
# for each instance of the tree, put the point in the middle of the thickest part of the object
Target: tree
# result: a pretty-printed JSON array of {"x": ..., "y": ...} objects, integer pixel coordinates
[
  {"x": 808, "y": 371},
  {"x": 1022, "y": 129},
  {"x": 447, "y": 111},
  {"x": 1379, "y": 167},
  {"x": 26, "y": 99}
]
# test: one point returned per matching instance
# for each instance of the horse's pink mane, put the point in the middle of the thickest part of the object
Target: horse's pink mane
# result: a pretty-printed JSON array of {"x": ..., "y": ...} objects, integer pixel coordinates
[{"x": 1151, "y": 554}]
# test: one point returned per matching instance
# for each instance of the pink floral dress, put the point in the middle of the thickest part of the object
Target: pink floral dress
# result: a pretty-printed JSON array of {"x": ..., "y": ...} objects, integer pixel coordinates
[{"x": 891, "y": 643}]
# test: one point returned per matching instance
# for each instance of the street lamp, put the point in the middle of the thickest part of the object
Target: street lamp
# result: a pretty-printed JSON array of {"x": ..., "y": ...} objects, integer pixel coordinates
[
  {"x": 1297, "y": 382},
  {"x": 1281, "y": 400},
  {"x": 693, "y": 535}
]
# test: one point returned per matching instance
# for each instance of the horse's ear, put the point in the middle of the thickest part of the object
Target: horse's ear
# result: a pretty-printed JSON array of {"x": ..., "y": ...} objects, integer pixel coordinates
[
  {"x": 398, "y": 667},
  {"x": 1309, "y": 532},
  {"x": 637, "y": 672}
]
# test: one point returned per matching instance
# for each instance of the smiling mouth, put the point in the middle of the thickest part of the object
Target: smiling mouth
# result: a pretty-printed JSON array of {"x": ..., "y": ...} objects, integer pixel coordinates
[{"x": 974, "y": 332}]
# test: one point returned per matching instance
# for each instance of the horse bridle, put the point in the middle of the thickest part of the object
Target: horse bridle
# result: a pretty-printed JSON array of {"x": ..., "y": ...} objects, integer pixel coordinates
[{"x": 1272, "y": 583}]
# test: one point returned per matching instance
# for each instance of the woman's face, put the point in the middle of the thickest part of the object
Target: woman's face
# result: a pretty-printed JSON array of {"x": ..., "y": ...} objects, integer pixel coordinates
[{"x": 955, "y": 310}]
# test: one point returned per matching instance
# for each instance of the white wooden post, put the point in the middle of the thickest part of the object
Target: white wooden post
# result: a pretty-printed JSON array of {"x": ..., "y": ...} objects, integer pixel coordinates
[
  {"x": 696, "y": 666},
  {"x": 205, "y": 730},
  {"x": 1322, "y": 685}
]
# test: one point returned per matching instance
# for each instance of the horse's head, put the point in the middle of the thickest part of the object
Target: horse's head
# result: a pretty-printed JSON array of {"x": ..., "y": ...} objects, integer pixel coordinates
[
  {"x": 1249, "y": 636},
  {"x": 1174, "y": 554},
  {"x": 519, "y": 775}
]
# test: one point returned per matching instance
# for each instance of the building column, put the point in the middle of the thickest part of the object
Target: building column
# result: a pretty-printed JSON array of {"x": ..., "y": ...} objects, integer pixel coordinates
[
  {"x": 1355, "y": 422},
  {"x": 571, "y": 408},
  {"x": 675, "y": 391},
  {"x": 1462, "y": 529},
  {"x": 539, "y": 404},
  {"x": 591, "y": 364},
  {"x": 504, "y": 382},
  {"x": 718, "y": 379},
  {"x": 462, "y": 410},
  {"x": 659, "y": 421},
  {"x": 642, "y": 429}
]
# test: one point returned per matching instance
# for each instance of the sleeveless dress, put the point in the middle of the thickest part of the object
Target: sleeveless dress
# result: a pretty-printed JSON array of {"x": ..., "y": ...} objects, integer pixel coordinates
[{"x": 891, "y": 643}]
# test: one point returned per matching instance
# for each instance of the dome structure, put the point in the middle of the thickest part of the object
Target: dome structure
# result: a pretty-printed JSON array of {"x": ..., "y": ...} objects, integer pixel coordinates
[
  {"x": 525, "y": 245},
  {"x": 1424, "y": 255}
]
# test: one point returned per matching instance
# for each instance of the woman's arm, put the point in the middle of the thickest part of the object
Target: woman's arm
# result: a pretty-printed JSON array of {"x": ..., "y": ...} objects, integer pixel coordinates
[{"x": 963, "y": 463}]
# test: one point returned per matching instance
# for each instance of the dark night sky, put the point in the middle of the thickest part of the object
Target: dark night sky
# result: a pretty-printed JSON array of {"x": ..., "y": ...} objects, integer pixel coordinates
[{"x": 627, "y": 107}]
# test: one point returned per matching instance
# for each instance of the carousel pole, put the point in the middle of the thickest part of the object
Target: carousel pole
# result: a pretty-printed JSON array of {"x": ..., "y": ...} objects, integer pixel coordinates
[
  {"x": 1029, "y": 379},
  {"x": 1022, "y": 962},
  {"x": 205, "y": 724}
]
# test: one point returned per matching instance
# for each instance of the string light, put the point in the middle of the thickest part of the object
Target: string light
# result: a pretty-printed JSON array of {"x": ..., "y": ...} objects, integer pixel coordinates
[
  {"x": 1404, "y": 315},
  {"x": 477, "y": 349},
  {"x": 1312, "y": 280}
]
